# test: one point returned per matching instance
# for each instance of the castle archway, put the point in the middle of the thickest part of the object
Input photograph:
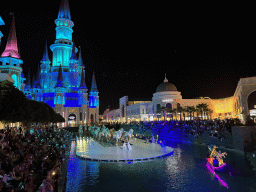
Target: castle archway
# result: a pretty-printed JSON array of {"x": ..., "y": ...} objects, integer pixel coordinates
[
  {"x": 92, "y": 118},
  {"x": 72, "y": 120}
]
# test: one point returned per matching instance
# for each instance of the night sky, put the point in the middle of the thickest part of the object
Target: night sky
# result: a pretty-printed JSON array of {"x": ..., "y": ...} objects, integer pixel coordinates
[{"x": 131, "y": 46}]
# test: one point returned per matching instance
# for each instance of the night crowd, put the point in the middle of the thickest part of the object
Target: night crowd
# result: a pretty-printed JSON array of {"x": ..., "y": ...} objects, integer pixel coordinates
[
  {"x": 31, "y": 159},
  {"x": 216, "y": 128}
]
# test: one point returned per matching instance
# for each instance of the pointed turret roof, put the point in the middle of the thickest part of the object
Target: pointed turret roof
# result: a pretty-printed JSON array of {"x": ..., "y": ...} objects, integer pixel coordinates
[
  {"x": 45, "y": 56},
  {"x": 80, "y": 59},
  {"x": 82, "y": 83},
  {"x": 64, "y": 11},
  {"x": 73, "y": 55},
  {"x": 11, "y": 49},
  {"x": 59, "y": 79},
  {"x": 94, "y": 86}
]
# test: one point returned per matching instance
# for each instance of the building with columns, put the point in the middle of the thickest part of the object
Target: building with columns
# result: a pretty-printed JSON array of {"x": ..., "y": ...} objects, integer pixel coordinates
[
  {"x": 240, "y": 105},
  {"x": 60, "y": 82}
]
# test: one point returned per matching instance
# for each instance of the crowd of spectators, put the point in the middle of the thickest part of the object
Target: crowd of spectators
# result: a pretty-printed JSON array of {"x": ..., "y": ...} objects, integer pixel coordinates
[
  {"x": 31, "y": 158},
  {"x": 216, "y": 128}
]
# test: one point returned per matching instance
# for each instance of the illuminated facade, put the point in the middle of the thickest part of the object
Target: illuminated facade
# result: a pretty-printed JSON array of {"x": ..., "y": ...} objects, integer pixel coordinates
[
  {"x": 62, "y": 84},
  {"x": 167, "y": 95},
  {"x": 10, "y": 61}
]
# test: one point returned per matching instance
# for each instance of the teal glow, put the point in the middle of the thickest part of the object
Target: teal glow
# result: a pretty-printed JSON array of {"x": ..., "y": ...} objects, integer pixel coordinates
[
  {"x": 63, "y": 32},
  {"x": 15, "y": 78}
]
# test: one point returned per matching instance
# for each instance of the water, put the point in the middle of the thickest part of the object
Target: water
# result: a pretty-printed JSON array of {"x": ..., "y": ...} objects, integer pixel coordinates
[{"x": 185, "y": 170}]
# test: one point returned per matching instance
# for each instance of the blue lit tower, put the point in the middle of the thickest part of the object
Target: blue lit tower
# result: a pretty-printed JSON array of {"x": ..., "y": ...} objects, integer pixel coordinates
[
  {"x": 59, "y": 99},
  {"x": 45, "y": 70},
  {"x": 62, "y": 47},
  {"x": 62, "y": 84},
  {"x": 83, "y": 98},
  {"x": 94, "y": 101},
  {"x": 73, "y": 71},
  {"x": 37, "y": 88},
  {"x": 10, "y": 58}
]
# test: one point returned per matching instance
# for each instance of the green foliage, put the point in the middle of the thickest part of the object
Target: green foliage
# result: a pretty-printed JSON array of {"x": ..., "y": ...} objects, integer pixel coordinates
[{"x": 15, "y": 107}]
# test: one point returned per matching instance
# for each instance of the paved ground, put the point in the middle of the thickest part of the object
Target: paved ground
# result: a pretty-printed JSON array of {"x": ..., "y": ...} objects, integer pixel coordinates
[{"x": 91, "y": 149}]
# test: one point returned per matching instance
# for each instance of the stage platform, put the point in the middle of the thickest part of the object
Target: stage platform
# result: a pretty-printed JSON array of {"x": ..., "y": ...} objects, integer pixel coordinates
[{"x": 89, "y": 149}]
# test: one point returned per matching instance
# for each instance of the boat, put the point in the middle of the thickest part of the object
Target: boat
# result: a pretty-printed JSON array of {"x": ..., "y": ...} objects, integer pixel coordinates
[{"x": 215, "y": 160}]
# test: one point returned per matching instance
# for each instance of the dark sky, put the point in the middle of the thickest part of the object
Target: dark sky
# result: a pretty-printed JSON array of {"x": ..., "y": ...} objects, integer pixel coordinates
[{"x": 204, "y": 50}]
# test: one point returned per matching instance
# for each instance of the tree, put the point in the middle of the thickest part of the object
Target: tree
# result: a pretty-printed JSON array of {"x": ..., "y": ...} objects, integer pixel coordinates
[
  {"x": 12, "y": 103},
  {"x": 15, "y": 107},
  {"x": 180, "y": 110},
  {"x": 163, "y": 109},
  {"x": 202, "y": 107}
]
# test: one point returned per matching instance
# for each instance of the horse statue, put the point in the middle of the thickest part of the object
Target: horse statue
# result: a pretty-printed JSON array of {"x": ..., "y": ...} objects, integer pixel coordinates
[
  {"x": 117, "y": 135},
  {"x": 128, "y": 135}
]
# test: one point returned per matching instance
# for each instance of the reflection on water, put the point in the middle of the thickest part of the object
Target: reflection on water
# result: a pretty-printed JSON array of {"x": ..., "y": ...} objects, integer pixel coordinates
[{"x": 185, "y": 170}]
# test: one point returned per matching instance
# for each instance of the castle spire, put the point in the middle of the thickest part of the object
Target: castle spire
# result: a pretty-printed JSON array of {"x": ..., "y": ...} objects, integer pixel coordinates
[
  {"x": 73, "y": 55},
  {"x": 45, "y": 56},
  {"x": 37, "y": 79},
  {"x": 64, "y": 11},
  {"x": 80, "y": 59},
  {"x": 59, "y": 79},
  {"x": 94, "y": 86},
  {"x": 11, "y": 49},
  {"x": 82, "y": 83}
]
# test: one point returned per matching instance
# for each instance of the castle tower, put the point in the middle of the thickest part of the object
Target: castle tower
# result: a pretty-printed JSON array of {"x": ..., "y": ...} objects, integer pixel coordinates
[
  {"x": 62, "y": 47},
  {"x": 73, "y": 70},
  {"x": 83, "y": 99},
  {"x": 10, "y": 58},
  {"x": 82, "y": 91},
  {"x": 37, "y": 88},
  {"x": 94, "y": 102},
  {"x": 59, "y": 99},
  {"x": 45, "y": 69}
]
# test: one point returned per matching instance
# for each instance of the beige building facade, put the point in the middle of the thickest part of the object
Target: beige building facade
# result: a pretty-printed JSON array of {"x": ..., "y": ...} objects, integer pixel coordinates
[{"x": 240, "y": 105}]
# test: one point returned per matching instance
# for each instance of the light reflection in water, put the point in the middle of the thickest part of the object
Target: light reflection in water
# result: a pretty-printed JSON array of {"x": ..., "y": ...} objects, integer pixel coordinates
[
  {"x": 84, "y": 172},
  {"x": 184, "y": 170},
  {"x": 222, "y": 182}
]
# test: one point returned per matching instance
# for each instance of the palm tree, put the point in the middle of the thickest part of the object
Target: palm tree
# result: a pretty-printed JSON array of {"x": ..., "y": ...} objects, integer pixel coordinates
[
  {"x": 189, "y": 110},
  {"x": 202, "y": 107},
  {"x": 171, "y": 111},
  {"x": 175, "y": 113},
  {"x": 180, "y": 110},
  {"x": 163, "y": 109}
]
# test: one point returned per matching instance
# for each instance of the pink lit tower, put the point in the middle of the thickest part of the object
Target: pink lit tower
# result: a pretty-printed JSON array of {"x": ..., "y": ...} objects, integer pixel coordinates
[{"x": 10, "y": 61}]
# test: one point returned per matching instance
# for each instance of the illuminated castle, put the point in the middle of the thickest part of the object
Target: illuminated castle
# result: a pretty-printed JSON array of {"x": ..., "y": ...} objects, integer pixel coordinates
[{"x": 62, "y": 84}]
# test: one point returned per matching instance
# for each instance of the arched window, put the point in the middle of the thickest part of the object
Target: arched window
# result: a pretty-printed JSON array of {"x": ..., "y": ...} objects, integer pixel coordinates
[
  {"x": 92, "y": 118},
  {"x": 169, "y": 105},
  {"x": 122, "y": 108},
  {"x": 158, "y": 106},
  {"x": 59, "y": 100}
]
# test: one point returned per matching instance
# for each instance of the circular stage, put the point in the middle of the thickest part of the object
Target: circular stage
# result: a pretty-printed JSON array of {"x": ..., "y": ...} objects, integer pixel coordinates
[{"x": 89, "y": 149}]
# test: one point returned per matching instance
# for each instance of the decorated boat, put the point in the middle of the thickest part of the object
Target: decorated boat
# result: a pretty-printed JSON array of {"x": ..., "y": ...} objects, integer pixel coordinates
[{"x": 215, "y": 160}]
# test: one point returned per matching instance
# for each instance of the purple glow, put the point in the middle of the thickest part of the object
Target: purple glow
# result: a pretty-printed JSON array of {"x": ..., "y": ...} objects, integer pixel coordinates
[{"x": 223, "y": 183}]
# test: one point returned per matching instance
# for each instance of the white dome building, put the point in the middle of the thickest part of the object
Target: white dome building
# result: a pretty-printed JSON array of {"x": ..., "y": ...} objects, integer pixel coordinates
[{"x": 166, "y": 95}]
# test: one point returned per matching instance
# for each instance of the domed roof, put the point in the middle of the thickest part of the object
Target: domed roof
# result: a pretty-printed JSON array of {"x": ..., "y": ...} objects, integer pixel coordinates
[{"x": 166, "y": 86}]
